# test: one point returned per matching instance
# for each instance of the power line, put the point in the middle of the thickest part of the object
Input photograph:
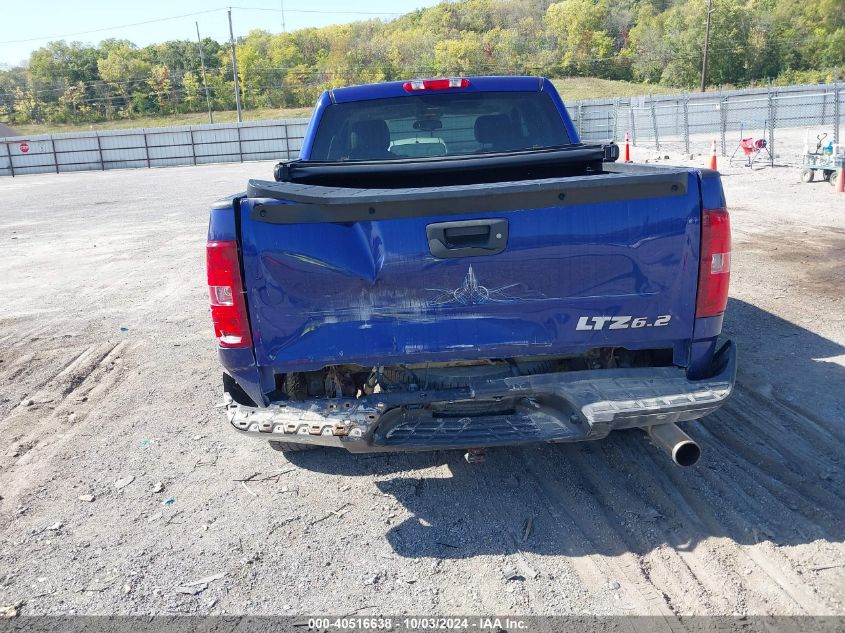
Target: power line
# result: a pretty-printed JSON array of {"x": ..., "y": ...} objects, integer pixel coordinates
[
  {"x": 358, "y": 67},
  {"x": 111, "y": 28},
  {"x": 525, "y": 66},
  {"x": 204, "y": 79},
  {"x": 195, "y": 13},
  {"x": 235, "y": 68},
  {"x": 710, "y": 11},
  {"x": 319, "y": 11}
]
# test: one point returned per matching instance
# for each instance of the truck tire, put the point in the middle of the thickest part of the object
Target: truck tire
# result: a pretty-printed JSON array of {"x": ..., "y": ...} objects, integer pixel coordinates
[
  {"x": 807, "y": 175},
  {"x": 290, "y": 447}
]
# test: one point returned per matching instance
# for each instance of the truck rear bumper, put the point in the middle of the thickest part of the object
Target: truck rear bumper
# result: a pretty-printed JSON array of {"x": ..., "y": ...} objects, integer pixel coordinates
[{"x": 557, "y": 407}]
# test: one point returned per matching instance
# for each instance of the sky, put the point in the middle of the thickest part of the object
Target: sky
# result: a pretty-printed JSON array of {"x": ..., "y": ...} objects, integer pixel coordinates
[{"x": 40, "y": 21}]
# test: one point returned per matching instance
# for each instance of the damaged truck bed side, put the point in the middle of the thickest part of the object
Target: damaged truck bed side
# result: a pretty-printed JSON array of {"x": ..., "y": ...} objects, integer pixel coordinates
[{"x": 447, "y": 266}]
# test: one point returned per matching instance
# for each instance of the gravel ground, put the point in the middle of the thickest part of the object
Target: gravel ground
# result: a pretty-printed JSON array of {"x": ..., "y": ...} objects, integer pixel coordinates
[{"x": 121, "y": 484}]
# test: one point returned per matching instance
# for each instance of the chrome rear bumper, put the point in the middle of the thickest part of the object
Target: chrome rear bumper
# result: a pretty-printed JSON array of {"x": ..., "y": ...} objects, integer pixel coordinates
[{"x": 557, "y": 407}]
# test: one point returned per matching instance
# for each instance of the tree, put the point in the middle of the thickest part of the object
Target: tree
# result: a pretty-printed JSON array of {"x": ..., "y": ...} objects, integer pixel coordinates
[
  {"x": 645, "y": 40},
  {"x": 460, "y": 56},
  {"x": 578, "y": 27},
  {"x": 124, "y": 71},
  {"x": 26, "y": 107},
  {"x": 162, "y": 87},
  {"x": 192, "y": 96},
  {"x": 72, "y": 104},
  {"x": 58, "y": 65},
  {"x": 648, "y": 48}
]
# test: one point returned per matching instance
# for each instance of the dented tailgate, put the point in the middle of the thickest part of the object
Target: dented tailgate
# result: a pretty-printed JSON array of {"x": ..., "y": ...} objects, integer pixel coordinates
[{"x": 554, "y": 267}]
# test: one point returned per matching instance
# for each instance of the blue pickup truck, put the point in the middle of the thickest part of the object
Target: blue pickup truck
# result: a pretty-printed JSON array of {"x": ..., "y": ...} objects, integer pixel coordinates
[{"x": 446, "y": 265}]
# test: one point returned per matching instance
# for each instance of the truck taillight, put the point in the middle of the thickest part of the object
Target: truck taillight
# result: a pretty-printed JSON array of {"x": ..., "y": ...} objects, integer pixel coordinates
[
  {"x": 435, "y": 84},
  {"x": 714, "y": 268},
  {"x": 226, "y": 293}
]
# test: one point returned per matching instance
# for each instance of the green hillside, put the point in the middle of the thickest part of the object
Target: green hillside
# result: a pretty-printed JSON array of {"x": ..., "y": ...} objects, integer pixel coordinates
[{"x": 608, "y": 47}]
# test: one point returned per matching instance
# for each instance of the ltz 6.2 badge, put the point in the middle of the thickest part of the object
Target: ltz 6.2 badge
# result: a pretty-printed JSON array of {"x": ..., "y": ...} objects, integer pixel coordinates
[{"x": 620, "y": 322}]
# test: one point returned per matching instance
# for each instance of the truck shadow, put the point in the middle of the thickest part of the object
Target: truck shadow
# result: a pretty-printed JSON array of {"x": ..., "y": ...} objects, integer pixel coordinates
[{"x": 772, "y": 470}]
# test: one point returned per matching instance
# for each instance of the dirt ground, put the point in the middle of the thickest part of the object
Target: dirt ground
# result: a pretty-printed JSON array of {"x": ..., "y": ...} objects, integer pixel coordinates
[{"x": 110, "y": 382}]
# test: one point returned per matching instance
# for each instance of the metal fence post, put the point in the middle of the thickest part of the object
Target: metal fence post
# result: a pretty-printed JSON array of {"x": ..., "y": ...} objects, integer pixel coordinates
[
  {"x": 836, "y": 113},
  {"x": 686, "y": 123},
  {"x": 100, "y": 152},
  {"x": 615, "y": 118},
  {"x": 55, "y": 156},
  {"x": 287, "y": 140},
  {"x": 654, "y": 125},
  {"x": 9, "y": 154},
  {"x": 240, "y": 148},
  {"x": 633, "y": 124},
  {"x": 723, "y": 123},
  {"x": 193, "y": 147},
  {"x": 772, "y": 123},
  {"x": 824, "y": 106},
  {"x": 578, "y": 117},
  {"x": 146, "y": 148}
]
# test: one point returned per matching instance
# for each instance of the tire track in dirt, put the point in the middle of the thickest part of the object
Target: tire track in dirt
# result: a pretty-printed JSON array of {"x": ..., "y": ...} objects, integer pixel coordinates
[
  {"x": 591, "y": 526},
  {"x": 684, "y": 581},
  {"x": 773, "y": 581},
  {"x": 492, "y": 508},
  {"x": 490, "y": 494},
  {"x": 733, "y": 510},
  {"x": 593, "y": 570},
  {"x": 778, "y": 427},
  {"x": 798, "y": 481},
  {"x": 742, "y": 486},
  {"x": 60, "y": 404},
  {"x": 72, "y": 373},
  {"x": 680, "y": 575},
  {"x": 32, "y": 361},
  {"x": 797, "y": 417},
  {"x": 666, "y": 513},
  {"x": 705, "y": 503},
  {"x": 820, "y": 520},
  {"x": 509, "y": 465}
]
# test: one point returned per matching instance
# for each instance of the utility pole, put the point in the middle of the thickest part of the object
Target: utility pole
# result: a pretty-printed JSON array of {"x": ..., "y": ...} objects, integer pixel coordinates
[
  {"x": 706, "y": 44},
  {"x": 284, "y": 30},
  {"x": 235, "y": 68},
  {"x": 204, "y": 82}
]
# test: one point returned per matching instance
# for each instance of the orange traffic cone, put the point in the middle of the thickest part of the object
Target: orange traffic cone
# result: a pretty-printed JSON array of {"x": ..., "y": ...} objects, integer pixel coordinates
[
  {"x": 627, "y": 148},
  {"x": 840, "y": 180},
  {"x": 712, "y": 164}
]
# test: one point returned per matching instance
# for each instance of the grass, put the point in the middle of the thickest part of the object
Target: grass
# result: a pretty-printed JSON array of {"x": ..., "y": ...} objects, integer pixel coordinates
[
  {"x": 192, "y": 118},
  {"x": 571, "y": 89},
  {"x": 576, "y": 88}
]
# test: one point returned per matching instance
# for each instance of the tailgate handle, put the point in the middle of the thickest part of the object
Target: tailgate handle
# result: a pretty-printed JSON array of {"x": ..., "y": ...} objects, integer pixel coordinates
[{"x": 467, "y": 238}]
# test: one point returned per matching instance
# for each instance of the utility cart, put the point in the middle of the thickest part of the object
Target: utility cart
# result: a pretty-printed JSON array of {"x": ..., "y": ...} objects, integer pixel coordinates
[{"x": 826, "y": 161}]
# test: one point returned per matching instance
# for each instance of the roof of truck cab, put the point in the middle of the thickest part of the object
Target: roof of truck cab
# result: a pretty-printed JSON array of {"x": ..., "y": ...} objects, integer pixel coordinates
[{"x": 476, "y": 84}]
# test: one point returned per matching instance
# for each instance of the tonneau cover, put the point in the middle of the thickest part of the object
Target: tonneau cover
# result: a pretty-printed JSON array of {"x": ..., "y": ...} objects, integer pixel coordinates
[{"x": 571, "y": 160}]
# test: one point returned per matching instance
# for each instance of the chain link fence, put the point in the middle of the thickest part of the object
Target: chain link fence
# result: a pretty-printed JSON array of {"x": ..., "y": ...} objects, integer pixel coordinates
[{"x": 786, "y": 117}]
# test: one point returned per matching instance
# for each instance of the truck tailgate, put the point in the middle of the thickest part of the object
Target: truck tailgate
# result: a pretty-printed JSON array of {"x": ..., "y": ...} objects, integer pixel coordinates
[{"x": 554, "y": 266}]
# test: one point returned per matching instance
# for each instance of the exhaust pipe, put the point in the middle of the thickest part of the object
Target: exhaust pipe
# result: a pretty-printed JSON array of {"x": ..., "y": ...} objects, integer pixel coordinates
[{"x": 683, "y": 450}]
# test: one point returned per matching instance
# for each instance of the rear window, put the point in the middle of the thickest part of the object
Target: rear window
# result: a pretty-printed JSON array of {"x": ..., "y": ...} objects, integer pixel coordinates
[{"x": 438, "y": 124}]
